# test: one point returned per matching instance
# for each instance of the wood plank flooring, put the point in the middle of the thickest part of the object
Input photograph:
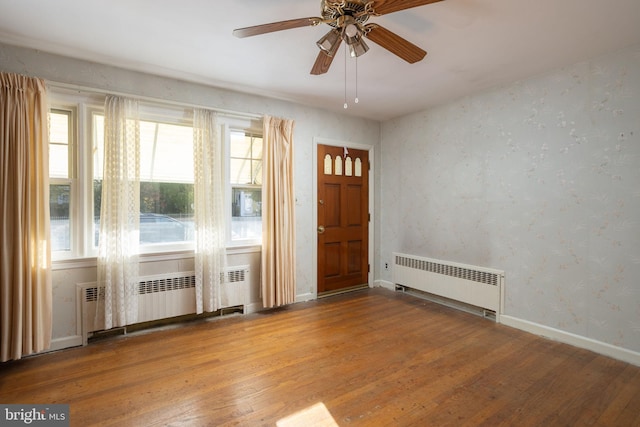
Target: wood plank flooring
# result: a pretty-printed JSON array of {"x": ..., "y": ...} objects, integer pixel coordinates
[{"x": 367, "y": 358}]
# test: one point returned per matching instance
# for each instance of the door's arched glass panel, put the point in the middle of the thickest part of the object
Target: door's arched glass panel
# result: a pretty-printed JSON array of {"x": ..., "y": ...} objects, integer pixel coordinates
[
  {"x": 348, "y": 167},
  {"x": 328, "y": 164}
]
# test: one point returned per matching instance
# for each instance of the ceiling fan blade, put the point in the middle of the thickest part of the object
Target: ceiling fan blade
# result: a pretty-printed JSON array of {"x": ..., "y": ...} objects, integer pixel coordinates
[
  {"x": 276, "y": 26},
  {"x": 324, "y": 59},
  {"x": 322, "y": 64},
  {"x": 394, "y": 43},
  {"x": 382, "y": 7}
]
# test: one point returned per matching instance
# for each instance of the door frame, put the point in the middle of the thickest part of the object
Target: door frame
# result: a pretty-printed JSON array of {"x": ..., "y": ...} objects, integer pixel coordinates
[{"x": 314, "y": 201}]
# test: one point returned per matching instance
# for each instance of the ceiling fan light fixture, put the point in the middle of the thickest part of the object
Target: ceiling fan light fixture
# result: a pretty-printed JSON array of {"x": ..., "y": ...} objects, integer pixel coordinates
[
  {"x": 358, "y": 48},
  {"x": 351, "y": 34},
  {"x": 351, "y": 30},
  {"x": 329, "y": 42}
]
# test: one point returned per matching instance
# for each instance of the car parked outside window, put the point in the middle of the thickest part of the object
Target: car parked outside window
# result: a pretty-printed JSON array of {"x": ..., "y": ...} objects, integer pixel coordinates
[{"x": 157, "y": 228}]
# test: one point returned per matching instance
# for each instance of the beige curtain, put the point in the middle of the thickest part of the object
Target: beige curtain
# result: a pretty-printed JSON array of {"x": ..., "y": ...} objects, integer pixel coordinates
[
  {"x": 118, "y": 247},
  {"x": 278, "y": 214},
  {"x": 209, "y": 213},
  {"x": 25, "y": 276}
]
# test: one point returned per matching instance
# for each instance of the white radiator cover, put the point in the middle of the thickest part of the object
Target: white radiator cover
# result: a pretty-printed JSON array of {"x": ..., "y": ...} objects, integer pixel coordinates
[
  {"x": 477, "y": 286},
  {"x": 162, "y": 296}
]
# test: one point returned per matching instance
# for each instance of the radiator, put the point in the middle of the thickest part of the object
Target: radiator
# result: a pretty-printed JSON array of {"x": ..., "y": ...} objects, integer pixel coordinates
[
  {"x": 234, "y": 290},
  {"x": 476, "y": 286},
  {"x": 162, "y": 297}
]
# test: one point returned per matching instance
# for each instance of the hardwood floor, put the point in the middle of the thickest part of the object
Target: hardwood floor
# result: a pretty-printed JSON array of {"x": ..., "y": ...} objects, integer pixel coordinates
[{"x": 371, "y": 357}]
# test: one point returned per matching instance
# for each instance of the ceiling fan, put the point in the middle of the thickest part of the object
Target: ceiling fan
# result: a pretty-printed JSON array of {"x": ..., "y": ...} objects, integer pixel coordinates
[{"x": 349, "y": 22}]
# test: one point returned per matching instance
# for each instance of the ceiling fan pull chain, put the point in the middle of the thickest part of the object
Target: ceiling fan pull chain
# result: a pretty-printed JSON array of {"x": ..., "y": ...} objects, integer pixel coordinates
[
  {"x": 345, "y": 77},
  {"x": 356, "y": 100}
]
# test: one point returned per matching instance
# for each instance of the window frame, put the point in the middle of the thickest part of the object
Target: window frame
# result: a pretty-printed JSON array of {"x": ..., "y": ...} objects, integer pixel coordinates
[
  {"x": 248, "y": 126},
  {"x": 180, "y": 116},
  {"x": 82, "y": 106},
  {"x": 71, "y": 105}
]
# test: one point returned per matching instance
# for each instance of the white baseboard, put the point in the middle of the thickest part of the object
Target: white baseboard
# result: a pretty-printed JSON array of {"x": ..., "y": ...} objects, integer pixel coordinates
[
  {"x": 257, "y": 306},
  {"x": 65, "y": 342},
  {"x": 384, "y": 284},
  {"x": 253, "y": 307},
  {"x": 600, "y": 347},
  {"x": 306, "y": 297}
]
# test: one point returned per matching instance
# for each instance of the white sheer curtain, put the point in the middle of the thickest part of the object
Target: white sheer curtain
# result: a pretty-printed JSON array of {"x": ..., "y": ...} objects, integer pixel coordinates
[
  {"x": 278, "y": 214},
  {"x": 209, "y": 213},
  {"x": 119, "y": 215},
  {"x": 25, "y": 256}
]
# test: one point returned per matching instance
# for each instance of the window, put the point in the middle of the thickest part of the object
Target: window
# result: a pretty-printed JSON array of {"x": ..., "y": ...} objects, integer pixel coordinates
[
  {"x": 245, "y": 179},
  {"x": 76, "y": 141},
  {"x": 166, "y": 183},
  {"x": 61, "y": 179}
]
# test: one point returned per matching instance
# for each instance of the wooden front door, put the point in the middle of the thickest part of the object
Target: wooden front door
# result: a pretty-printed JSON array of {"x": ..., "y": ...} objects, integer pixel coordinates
[{"x": 343, "y": 218}]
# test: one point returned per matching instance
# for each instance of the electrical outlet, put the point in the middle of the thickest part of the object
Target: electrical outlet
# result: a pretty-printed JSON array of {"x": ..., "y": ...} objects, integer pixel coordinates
[{"x": 386, "y": 265}]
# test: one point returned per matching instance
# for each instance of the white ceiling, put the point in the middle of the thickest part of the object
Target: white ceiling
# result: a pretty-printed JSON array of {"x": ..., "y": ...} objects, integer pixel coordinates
[{"x": 472, "y": 45}]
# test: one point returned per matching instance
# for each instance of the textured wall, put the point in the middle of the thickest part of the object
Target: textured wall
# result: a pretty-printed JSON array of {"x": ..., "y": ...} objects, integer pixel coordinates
[{"x": 540, "y": 178}]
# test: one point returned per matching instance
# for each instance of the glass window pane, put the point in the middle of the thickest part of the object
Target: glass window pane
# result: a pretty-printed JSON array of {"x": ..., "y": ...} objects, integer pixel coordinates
[
  {"x": 98, "y": 145},
  {"x": 59, "y": 205},
  {"x": 246, "y": 228},
  {"x": 166, "y": 187},
  {"x": 247, "y": 202},
  {"x": 166, "y": 152},
  {"x": 166, "y": 212},
  {"x": 256, "y": 166},
  {"x": 98, "y": 165},
  {"x": 246, "y": 216},
  {"x": 97, "y": 204},
  {"x": 60, "y": 195},
  {"x": 59, "y": 123},
  {"x": 59, "y": 127},
  {"x": 240, "y": 171},
  {"x": 245, "y": 166},
  {"x": 240, "y": 145},
  {"x": 256, "y": 152},
  {"x": 58, "y": 161}
]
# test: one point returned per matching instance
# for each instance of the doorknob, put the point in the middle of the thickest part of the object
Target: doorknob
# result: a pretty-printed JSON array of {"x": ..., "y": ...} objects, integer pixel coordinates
[{"x": 320, "y": 229}]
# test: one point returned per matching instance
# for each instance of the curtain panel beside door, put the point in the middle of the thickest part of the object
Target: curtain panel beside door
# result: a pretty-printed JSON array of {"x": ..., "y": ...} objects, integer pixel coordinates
[{"x": 278, "y": 214}]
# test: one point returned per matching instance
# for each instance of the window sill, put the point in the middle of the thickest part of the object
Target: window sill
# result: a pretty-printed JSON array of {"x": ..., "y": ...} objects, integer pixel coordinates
[
  {"x": 70, "y": 264},
  {"x": 243, "y": 249}
]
